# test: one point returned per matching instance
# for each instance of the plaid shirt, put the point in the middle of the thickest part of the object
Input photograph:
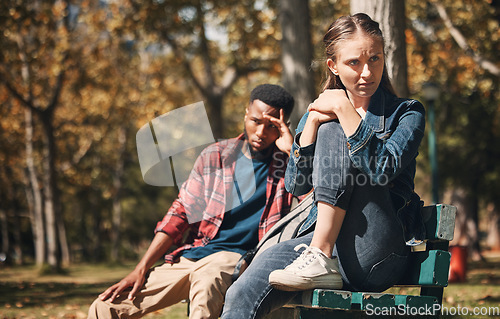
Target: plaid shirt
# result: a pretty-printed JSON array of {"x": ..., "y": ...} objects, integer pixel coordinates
[{"x": 201, "y": 203}]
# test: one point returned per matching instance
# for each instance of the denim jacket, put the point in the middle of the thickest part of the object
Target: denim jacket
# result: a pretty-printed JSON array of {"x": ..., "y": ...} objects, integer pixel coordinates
[{"x": 384, "y": 147}]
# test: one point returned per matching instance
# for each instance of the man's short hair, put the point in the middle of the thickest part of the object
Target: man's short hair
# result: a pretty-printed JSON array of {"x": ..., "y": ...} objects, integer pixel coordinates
[{"x": 275, "y": 96}]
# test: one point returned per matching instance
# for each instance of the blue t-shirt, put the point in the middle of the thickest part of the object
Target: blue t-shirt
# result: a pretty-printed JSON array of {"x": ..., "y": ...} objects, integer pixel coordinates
[{"x": 239, "y": 231}]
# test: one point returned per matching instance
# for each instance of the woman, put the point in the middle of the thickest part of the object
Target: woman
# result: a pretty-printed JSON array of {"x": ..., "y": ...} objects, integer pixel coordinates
[{"x": 356, "y": 147}]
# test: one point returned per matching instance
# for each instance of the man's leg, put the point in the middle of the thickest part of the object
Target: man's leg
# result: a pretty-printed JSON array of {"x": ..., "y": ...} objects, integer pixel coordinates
[
  {"x": 165, "y": 285},
  {"x": 209, "y": 282}
]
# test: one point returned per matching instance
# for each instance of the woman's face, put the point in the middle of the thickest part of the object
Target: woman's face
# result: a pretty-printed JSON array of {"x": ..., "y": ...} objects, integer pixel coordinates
[{"x": 359, "y": 64}]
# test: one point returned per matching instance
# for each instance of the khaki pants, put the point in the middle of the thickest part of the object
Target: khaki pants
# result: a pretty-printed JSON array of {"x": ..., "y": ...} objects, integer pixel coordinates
[{"x": 204, "y": 282}]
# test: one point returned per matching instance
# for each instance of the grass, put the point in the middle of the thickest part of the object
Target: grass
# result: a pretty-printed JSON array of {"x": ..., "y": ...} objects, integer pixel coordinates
[
  {"x": 482, "y": 288},
  {"x": 26, "y": 294},
  {"x": 480, "y": 292}
]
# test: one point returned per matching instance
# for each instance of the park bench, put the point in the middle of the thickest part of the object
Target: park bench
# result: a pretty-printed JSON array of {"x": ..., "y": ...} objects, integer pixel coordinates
[{"x": 428, "y": 270}]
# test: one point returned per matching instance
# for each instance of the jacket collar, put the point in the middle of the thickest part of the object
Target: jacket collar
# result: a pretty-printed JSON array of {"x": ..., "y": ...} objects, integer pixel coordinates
[
  {"x": 232, "y": 147},
  {"x": 375, "y": 114}
]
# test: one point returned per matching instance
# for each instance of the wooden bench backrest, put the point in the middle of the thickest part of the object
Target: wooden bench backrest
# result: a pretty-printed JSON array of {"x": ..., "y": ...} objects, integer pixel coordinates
[
  {"x": 430, "y": 267},
  {"x": 439, "y": 222}
]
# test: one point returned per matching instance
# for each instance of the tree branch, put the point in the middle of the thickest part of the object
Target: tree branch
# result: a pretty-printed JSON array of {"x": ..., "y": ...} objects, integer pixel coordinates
[
  {"x": 186, "y": 65},
  {"x": 19, "y": 96},
  {"x": 57, "y": 92},
  {"x": 209, "y": 75},
  {"x": 462, "y": 42}
]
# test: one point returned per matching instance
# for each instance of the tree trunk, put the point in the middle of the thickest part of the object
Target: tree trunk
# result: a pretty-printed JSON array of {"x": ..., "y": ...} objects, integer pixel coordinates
[
  {"x": 5, "y": 236},
  {"x": 48, "y": 191},
  {"x": 56, "y": 232},
  {"x": 63, "y": 240},
  {"x": 391, "y": 16},
  {"x": 493, "y": 239},
  {"x": 117, "y": 186},
  {"x": 214, "y": 112},
  {"x": 7, "y": 201},
  {"x": 98, "y": 229},
  {"x": 296, "y": 55},
  {"x": 33, "y": 192},
  {"x": 16, "y": 232},
  {"x": 204, "y": 77},
  {"x": 10, "y": 221},
  {"x": 54, "y": 222},
  {"x": 466, "y": 228}
]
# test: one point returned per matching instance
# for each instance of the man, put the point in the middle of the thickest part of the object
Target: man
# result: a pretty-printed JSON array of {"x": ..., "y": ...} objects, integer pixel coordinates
[{"x": 237, "y": 187}]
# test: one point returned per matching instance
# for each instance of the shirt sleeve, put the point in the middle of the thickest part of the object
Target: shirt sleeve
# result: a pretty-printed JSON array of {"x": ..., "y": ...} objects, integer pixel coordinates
[{"x": 298, "y": 176}]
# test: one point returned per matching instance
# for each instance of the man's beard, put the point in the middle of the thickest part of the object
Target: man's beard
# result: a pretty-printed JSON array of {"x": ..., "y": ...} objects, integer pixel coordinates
[{"x": 258, "y": 155}]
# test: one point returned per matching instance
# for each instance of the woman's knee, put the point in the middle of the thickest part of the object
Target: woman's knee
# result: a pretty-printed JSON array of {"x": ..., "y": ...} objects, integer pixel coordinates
[
  {"x": 328, "y": 130},
  {"x": 331, "y": 151}
]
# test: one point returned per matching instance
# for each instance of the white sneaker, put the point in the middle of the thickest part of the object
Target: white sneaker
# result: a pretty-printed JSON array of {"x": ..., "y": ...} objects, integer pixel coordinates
[{"x": 312, "y": 269}]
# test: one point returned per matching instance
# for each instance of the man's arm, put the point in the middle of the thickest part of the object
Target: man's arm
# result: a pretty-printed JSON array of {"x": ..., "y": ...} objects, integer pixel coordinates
[{"x": 158, "y": 247}]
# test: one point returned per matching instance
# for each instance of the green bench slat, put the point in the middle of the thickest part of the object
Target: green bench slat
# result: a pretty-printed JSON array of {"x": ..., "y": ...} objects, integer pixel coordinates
[
  {"x": 345, "y": 300},
  {"x": 365, "y": 300},
  {"x": 427, "y": 268},
  {"x": 416, "y": 301},
  {"x": 333, "y": 299}
]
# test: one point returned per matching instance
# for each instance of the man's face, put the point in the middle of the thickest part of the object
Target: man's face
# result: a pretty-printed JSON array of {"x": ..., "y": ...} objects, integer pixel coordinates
[{"x": 261, "y": 133}]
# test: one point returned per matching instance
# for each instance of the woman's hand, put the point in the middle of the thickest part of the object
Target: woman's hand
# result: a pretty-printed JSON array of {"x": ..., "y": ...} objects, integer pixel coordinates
[
  {"x": 328, "y": 104},
  {"x": 332, "y": 104},
  {"x": 319, "y": 117}
]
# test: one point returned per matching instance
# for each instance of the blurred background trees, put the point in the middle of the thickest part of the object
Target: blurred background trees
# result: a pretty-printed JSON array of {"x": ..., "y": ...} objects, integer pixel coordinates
[{"x": 79, "y": 78}]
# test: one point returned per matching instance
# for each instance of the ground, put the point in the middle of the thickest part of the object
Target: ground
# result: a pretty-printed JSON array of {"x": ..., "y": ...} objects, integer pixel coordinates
[{"x": 26, "y": 294}]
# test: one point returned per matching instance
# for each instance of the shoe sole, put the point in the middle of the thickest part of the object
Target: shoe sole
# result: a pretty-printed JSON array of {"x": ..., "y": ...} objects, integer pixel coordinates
[{"x": 285, "y": 282}]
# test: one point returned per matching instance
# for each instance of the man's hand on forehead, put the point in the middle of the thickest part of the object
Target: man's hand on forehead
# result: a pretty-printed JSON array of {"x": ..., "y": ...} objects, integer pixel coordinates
[
  {"x": 276, "y": 119},
  {"x": 273, "y": 112},
  {"x": 284, "y": 142}
]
